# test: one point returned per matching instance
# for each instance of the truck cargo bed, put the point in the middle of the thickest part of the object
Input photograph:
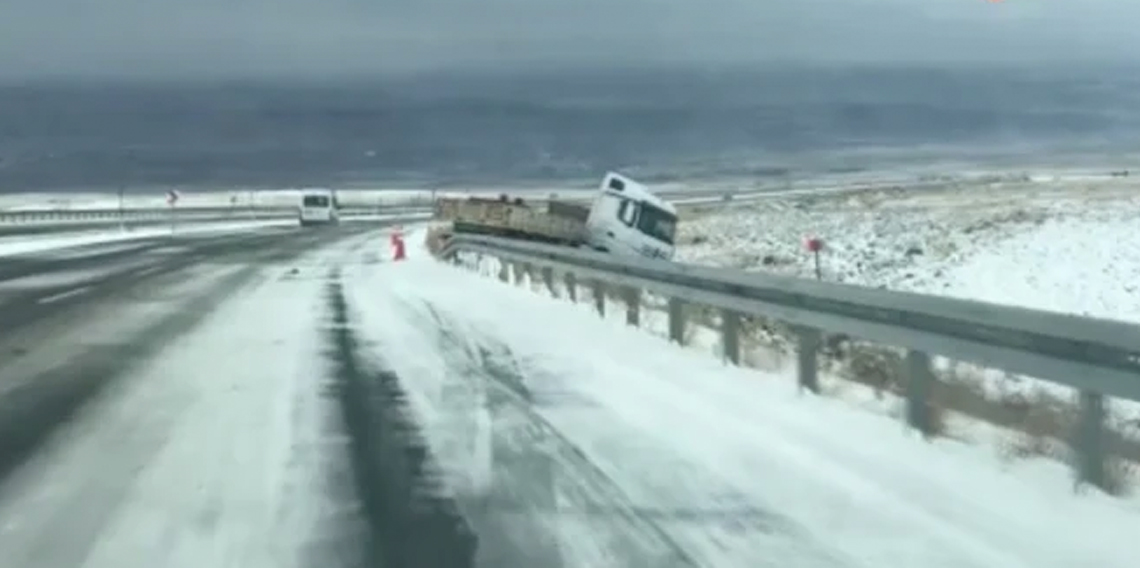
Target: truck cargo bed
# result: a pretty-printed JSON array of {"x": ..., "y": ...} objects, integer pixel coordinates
[
  {"x": 509, "y": 219},
  {"x": 576, "y": 211}
]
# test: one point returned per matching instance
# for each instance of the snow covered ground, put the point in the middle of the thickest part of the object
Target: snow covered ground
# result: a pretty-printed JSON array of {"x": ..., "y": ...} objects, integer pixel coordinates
[
  {"x": 662, "y": 456},
  {"x": 595, "y": 442},
  {"x": 912, "y": 240},
  {"x": 1060, "y": 244}
]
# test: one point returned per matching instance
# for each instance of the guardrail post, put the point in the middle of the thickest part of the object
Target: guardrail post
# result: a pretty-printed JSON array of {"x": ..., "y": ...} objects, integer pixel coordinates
[
  {"x": 730, "y": 335},
  {"x": 808, "y": 362},
  {"x": 572, "y": 287},
  {"x": 1089, "y": 443},
  {"x": 676, "y": 321},
  {"x": 548, "y": 279},
  {"x": 504, "y": 271},
  {"x": 518, "y": 270},
  {"x": 633, "y": 307},
  {"x": 600, "y": 297},
  {"x": 920, "y": 382}
]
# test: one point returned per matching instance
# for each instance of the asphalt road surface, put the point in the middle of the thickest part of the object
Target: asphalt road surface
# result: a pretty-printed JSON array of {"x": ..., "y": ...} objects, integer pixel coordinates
[
  {"x": 73, "y": 323},
  {"x": 46, "y": 228},
  {"x": 205, "y": 401},
  {"x": 291, "y": 398}
]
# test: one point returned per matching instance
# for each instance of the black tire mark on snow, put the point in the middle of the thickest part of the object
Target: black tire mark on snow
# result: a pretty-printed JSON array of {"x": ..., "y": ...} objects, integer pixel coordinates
[
  {"x": 498, "y": 363},
  {"x": 414, "y": 523},
  {"x": 497, "y": 360},
  {"x": 636, "y": 537}
]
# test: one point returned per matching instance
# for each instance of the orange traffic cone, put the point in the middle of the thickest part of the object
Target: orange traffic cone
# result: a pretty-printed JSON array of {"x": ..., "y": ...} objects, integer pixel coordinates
[{"x": 398, "y": 252}]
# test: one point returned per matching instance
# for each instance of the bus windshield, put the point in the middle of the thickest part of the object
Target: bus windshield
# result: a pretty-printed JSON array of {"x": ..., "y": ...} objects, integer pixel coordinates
[{"x": 657, "y": 223}]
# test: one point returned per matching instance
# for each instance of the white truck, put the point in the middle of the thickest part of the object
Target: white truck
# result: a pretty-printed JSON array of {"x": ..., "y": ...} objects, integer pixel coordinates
[{"x": 624, "y": 218}]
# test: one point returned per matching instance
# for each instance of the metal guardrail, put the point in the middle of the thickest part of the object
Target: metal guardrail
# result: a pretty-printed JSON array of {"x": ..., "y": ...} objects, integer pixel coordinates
[
  {"x": 181, "y": 214},
  {"x": 1098, "y": 358}
]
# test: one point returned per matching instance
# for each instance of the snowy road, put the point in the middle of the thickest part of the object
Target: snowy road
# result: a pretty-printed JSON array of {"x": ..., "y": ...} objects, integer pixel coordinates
[
  {"x": 198, "y": 355},
  {"x": 301, "y": 402},
  {"x": 35, "y": 283},
  {"x": 624, "y": 451}
]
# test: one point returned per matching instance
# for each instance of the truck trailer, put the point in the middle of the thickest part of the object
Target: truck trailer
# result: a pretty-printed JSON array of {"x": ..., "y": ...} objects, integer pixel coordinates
[{"x": 623, "y": 217}]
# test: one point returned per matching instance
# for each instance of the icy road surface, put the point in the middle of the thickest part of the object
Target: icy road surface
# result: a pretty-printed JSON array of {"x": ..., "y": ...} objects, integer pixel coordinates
[
  {"x": 663, "y": 457},
  {"x": 567, "y": 441},
  {"x": 223, "y": 450},
  {"x": 25, "y": 244}
]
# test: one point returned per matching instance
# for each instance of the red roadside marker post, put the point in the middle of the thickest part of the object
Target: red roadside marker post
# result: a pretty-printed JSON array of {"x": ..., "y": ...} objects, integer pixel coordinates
[{"x": 814, "y": 245}]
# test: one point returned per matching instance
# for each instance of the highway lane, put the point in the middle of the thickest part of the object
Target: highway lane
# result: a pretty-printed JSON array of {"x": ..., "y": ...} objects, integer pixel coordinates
[
  {"x": 73, "y": 320},
  {"x": 29, "y": 228},
  {"x": 33, "y": 286},
  {"x": 179, "y": 418},
  {"x": 185, "y": 416},
  {"x": 298, "y": 402}
]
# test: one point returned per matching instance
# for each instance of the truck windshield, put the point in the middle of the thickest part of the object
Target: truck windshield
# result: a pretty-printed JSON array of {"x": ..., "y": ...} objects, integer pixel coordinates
[
  {"x": 657, "y": 223},
  {"x": 315, "y": 201}
]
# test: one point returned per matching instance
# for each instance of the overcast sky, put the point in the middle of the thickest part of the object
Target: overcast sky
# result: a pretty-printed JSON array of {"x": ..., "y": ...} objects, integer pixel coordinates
[{"x": 189, "y": 38}]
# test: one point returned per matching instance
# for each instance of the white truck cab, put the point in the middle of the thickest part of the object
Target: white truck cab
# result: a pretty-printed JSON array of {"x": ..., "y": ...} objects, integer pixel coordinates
[
  {"x": 626, "y": 218},
  {"x": 318, "y": 207}
]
